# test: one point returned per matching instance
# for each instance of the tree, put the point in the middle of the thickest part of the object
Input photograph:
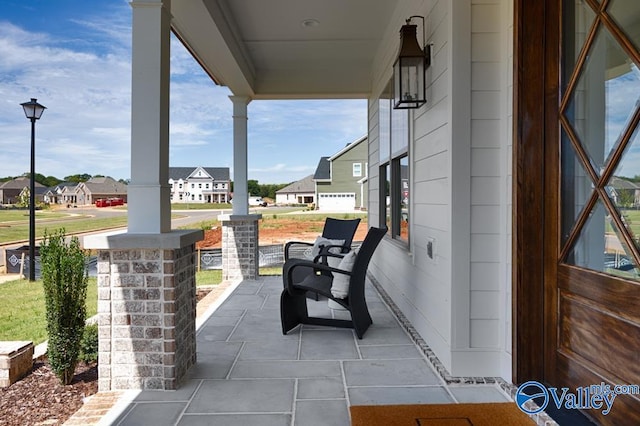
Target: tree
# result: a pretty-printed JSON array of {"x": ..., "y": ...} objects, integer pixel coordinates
[
  {"x": 78, "y": 178},
  {"x": 253, "y": 187},
  {"x": 64, "y": 277}
]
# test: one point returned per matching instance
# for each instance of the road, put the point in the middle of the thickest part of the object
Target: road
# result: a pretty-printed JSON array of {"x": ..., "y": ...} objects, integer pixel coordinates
[{"x": 187, "y": 217}]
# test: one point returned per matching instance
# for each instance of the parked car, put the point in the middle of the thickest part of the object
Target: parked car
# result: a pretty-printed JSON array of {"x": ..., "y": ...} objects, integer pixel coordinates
[{"x": 257, "y": 201}]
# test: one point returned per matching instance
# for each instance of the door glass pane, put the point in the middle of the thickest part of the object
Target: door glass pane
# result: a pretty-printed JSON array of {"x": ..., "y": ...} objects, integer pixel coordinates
[
  {"x": 577, "y": 187},
  {"x": 600, "y": 246},
  {"x": 578, "y": 17},
  {"x": 627, "y": 15},
  {"x": 604, "y": 98},
  {"x": 623, "y": 187}
]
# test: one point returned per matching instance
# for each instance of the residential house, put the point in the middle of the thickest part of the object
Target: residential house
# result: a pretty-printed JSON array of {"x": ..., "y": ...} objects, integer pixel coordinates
[
  {"x": 341, "y": 180},
  {"x": 96, "y": 188},
  {"x": 200, "y": 184},
  {"x": 501, "y": 266},
  {"x": 40, "y": 193},
  {"x": 10, "y": 190},
  {"x": 299, "y": 192},
  {"x": 55, "y": 195}
]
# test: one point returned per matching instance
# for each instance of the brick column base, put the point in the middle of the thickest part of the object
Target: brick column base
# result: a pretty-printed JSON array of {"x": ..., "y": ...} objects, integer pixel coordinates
[
  {"x": 240, "y": 247},
  {"x": 146, "y": 309}
]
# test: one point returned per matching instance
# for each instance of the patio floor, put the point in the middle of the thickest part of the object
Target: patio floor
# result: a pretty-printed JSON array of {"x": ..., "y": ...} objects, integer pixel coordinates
[{"x": 248, "y": 373}]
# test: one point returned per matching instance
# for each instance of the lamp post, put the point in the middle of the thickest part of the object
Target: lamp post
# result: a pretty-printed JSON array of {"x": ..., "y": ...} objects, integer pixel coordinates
[{"x": 33, "y": 110}]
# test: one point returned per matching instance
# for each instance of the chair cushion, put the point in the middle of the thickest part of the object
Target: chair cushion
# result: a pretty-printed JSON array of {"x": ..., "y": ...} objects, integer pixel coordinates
[
  {"x": 340, "y": 286},
  {"x": 322, "y": 241}
]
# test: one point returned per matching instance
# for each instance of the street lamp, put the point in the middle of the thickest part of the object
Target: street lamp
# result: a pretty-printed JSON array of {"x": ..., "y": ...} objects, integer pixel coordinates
[{"x": 33, "y": 110}]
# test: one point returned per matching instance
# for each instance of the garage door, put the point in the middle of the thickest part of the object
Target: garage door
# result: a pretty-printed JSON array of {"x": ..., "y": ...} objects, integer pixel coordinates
[{"x": 337, "y": 201}]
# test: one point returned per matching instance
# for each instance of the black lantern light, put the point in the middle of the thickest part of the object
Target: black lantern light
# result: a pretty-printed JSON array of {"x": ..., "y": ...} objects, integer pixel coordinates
[
  {"x": 33, "y": 110},
  {"x": 409, "y": 77}
]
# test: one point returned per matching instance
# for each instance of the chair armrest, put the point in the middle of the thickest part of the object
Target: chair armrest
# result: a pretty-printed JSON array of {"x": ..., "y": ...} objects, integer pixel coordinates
[
  {"x": 292, "y": 264},
  {"x": 324, "y": 253},
  {"x": 290, "y": 243}
]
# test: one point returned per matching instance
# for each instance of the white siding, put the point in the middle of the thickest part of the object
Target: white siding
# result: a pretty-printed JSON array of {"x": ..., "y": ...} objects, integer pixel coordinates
[{"x": 460, "y": 151}]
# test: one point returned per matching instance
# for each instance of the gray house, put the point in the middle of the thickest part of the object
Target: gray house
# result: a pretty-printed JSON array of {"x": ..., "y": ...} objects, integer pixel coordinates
[{"x": 341, "y": 180}]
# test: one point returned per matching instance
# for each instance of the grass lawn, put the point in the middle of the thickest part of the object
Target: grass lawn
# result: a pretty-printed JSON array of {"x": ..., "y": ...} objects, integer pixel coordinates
[
  {"x": 22, "y": 310},
  {"x": 20, "y": 232},
  {"x": 22, "y": 307}
]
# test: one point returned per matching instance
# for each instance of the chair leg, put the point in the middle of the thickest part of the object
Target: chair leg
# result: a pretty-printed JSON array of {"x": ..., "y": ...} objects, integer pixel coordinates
[
  {"x": 293, "y": 310},
  {"x": 361, "y": 319}
]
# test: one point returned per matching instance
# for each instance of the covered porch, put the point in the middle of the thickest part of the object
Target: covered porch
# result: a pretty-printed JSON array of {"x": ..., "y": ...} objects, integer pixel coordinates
[{"x": 247, "y": 372}]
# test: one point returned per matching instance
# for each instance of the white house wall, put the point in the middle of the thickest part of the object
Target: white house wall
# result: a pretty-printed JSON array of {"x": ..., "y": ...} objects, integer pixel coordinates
[{"x": 460, "y": 178}]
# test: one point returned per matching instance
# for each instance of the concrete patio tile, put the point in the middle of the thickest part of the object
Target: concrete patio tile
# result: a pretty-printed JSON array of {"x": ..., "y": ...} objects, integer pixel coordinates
[
  {"x": 389, "y": 373},
  {"x": 399, "y": 395},
  {"x": 389, "y": 352},
  {"x": 235, "y": 420},
  {"x": 182, "y": 394},
  {"x": 328, "y": 344},
  {"x": 322, "y": 413},
  {"x": 261, "y": 325},
  {"x": 323, "y": 388},
  {"x": 153, "y": 413},
  {"x": 285, "y": 369},
  {"x": 478, "y": 394},
  {"x": 214, "y": 333},
  {"x": 384, "y": 336},
  {"x": 243, "y": 396},
  {"x": 223, "y": 311},
  {"x": 248, "y": 288},
  {"x": 216, "y": 321},
  {"x": 210, "y": 367},
  {"x": 227, "y": 350},
  {"x": 243, "y": 301},
  {"x": 270, "y": 350}
]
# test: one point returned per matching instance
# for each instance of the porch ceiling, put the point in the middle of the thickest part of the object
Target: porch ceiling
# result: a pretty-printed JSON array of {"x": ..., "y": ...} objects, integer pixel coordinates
[{"x": 280, "y": 49}]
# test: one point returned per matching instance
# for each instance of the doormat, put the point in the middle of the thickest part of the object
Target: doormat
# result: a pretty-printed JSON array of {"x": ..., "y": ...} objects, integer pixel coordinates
[{"x": 505, "y": 413}]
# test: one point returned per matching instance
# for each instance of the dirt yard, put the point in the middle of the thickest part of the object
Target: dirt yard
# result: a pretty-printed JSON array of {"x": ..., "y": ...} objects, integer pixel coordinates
[{"x": 279, "y": 231}]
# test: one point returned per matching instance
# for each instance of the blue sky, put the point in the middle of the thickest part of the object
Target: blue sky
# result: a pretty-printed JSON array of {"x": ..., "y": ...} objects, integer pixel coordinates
[{"x": 74, "y": 56}]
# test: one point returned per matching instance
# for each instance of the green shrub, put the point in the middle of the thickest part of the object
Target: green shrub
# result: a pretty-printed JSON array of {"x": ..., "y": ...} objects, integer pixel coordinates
[
  {"x": 64, "y": 278},
  {"x": 89, "y": 344}
]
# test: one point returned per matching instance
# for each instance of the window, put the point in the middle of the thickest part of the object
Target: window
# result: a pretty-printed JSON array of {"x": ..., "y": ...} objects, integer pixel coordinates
[
  {"x": 179, "y": 186},
  {"x": 193, "y": 197},
  {"x": 357, "y": 169},
  {"x": 193, "y": 185},
  {"x": 199, "y": 185},
  {"x": 394, "y": 167},
  {"x": 206, "y": 185}
]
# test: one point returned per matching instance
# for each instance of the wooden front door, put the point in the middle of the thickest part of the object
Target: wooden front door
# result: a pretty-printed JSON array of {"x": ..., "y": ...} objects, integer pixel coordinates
[{"x": 592, "y": 251}]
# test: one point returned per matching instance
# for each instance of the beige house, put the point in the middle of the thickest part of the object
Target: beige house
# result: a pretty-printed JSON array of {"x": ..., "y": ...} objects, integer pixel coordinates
[
  {"x": 299, "y": 192},
  {"x": 10, "y": 190},
  {"x": 96, "y": 188}
]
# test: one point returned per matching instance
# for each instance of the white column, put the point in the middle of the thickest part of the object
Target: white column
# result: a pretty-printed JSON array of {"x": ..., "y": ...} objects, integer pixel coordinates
[
  {"x": 149, "y": 191},
  {"x": 240, "y": 195}
]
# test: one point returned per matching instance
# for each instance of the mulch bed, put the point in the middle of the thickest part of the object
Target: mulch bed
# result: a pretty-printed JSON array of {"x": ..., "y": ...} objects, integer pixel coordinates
[{"x": 40, "y": 399}]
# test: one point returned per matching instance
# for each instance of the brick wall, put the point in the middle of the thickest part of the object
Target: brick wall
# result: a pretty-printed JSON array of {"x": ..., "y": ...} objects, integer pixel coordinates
[
  {"x": 146, "y": 307},
  {"x": 240, "y": 248}
]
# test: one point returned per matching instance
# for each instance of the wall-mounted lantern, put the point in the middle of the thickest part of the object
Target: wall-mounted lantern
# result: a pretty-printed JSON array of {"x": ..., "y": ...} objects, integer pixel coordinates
[{"x": 409, "y": 70}]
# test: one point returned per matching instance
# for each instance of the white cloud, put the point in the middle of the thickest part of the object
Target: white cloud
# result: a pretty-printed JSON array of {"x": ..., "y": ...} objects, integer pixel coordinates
[{"x": 84, "y": 79}]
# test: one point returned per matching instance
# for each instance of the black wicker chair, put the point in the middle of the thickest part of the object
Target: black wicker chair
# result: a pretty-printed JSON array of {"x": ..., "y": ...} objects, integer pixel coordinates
[
  {"x": 293, "y": 302},
  {"x": 334, "y": 229}
]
